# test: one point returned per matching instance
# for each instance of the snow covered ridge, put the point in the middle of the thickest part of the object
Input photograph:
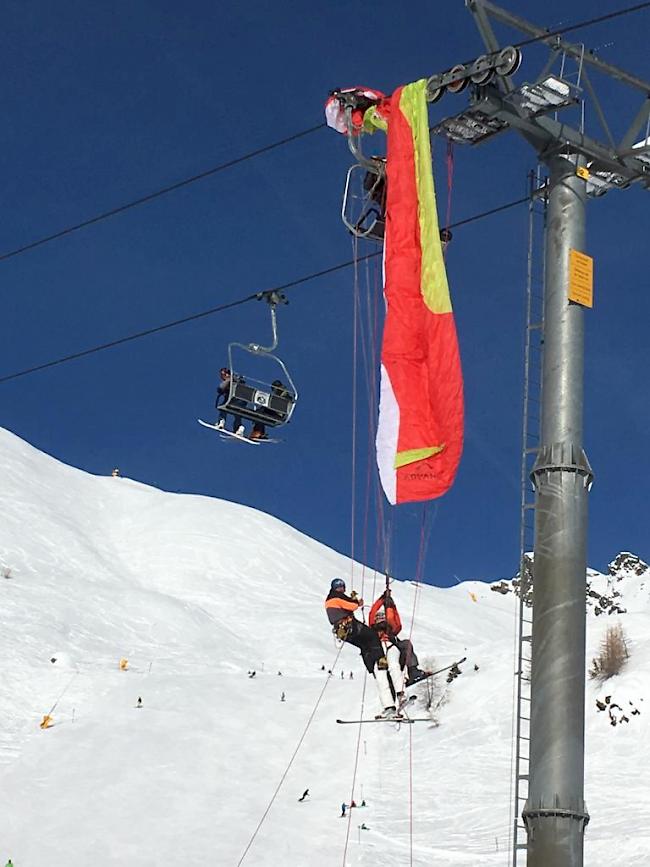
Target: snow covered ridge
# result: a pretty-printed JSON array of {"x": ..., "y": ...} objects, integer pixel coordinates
[{"x": 193, "y": 593}]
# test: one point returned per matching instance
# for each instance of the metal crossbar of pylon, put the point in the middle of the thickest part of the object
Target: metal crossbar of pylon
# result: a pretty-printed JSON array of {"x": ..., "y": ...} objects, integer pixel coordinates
[{"x": 530, "y": 439}]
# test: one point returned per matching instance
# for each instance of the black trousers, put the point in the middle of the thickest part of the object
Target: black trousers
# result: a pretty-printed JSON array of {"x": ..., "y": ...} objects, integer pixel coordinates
[
  {"x": 407, "y": 657},
  {"x": 367, "y": 640}
]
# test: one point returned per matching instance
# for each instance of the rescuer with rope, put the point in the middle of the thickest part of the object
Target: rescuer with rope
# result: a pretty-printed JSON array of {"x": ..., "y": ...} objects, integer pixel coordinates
[{"x": 340, "y": 610}]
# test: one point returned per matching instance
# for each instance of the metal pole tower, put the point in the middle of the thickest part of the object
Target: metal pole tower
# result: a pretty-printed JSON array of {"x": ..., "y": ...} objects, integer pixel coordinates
[{"x": 555, "y": 813}]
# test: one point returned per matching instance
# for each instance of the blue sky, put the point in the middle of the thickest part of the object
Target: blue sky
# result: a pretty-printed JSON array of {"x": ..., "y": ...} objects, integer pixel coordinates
[{"x": 107, "y": 102}]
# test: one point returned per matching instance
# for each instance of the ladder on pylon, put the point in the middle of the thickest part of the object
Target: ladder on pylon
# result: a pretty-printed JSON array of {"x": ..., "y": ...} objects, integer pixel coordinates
[{"x": 531, "y": 432}]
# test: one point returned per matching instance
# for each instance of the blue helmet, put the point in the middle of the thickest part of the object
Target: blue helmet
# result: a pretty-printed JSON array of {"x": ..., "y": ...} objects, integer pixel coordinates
[{"x": 337, "y": 584}]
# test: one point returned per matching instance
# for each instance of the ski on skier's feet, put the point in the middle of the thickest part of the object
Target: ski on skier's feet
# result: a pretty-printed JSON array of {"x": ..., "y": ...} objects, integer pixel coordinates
[
  {"x": 405, "y": 701},
  {"x": 429, "y": 674},
  {"x": 390, "y": 719},
  {"x": 231, "y": 435}
]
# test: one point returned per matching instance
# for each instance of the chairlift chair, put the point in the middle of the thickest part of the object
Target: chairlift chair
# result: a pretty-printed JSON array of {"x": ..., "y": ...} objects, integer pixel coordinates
[
  {"x": 364, "y": 200},
  {"x": 258, "y": 401}
]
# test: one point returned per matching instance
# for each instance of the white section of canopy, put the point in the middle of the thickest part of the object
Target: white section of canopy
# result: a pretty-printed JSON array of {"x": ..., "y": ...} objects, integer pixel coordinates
[{"x": 387, "y": 437}]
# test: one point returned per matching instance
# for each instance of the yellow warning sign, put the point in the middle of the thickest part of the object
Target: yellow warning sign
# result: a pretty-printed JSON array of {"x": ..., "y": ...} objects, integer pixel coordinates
[
  {"x": 583, "y": 172},
  {"x": 581, "y": 278}
]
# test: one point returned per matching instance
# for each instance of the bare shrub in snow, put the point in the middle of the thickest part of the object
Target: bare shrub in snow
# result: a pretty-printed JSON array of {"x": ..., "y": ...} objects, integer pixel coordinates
[
  {"x": 613, "y": 654},
  {"x": 432, "y": 693}
]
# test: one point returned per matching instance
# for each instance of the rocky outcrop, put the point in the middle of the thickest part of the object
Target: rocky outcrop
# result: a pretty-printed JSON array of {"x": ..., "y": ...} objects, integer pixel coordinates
[
  {"x": 607, "y": 600},
  {"x": 626, "y": 563}
]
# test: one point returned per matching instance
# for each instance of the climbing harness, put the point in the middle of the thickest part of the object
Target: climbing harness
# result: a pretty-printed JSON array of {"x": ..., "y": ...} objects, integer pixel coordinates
[{"x": 343, "y": 628}]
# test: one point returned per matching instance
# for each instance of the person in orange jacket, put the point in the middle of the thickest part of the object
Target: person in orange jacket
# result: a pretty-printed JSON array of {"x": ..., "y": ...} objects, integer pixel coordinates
[
  {"x": 401, "y": 657},
  {"x": 340, "y": 610}
]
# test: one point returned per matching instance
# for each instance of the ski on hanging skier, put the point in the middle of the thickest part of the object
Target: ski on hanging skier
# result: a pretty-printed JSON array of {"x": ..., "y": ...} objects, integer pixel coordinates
[
  {"x": 394, "y": 719},
  {"x": 407, "y": 701},
  {"x": 430, "y": 674}
]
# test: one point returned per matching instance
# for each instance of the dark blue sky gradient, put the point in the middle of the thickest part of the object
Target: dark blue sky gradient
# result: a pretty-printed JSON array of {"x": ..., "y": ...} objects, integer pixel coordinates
[{"x": 103, "y": 103}]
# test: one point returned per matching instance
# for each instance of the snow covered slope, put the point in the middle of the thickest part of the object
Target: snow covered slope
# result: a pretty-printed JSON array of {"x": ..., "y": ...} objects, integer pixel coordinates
[{"x": 196, "y": 593}]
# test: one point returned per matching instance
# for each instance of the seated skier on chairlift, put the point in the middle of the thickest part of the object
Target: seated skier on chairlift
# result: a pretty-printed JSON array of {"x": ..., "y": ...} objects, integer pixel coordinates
[
  {"x": 223, "y": 393},
  {"x": 278, "y": 389}
]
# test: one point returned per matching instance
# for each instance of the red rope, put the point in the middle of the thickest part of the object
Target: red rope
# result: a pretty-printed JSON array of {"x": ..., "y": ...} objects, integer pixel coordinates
[
  {"x": 450, "y": 185},
  {"x": 424, "y": 531},
  {"x": 368, "y": 367},
  {"x": 354, "y": 407},
  {"x": 419, "y": 571},
  {"x": 410, "y": 796},
  {"x": 450, "y": 178}
]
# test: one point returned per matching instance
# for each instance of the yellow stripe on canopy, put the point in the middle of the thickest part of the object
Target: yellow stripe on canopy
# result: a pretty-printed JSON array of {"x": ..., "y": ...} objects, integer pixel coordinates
[
  {"x": 434, "y": 286},
  {"x": 411, "y": 456}
]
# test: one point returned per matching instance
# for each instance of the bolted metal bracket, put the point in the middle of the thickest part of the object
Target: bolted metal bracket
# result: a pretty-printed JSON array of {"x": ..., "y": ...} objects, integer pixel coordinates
[
  {"x": 272, "y": 297},
  {"x": 532, "y": 814},
  {"x": 561, "y": 458}
]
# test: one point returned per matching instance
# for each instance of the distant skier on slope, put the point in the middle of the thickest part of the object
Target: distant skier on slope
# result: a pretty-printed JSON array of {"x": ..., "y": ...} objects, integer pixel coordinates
[
  {"x": 402, "y": 661},
  {"x": 346, "y": 627}
]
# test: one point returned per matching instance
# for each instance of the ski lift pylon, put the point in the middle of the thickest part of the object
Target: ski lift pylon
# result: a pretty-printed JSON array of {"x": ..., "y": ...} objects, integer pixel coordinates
[{"x": 271, "y": 404}]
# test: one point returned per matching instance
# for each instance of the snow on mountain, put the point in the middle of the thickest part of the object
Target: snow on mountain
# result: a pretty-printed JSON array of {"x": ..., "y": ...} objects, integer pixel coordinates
[{"x": 197, "y": 593}]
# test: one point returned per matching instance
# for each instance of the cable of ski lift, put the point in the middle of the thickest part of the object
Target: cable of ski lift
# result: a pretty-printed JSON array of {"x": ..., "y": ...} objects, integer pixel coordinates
[
  {"x": 156, "y": 194},
  {"x": 280, "y": 143},
  {"x": 222, "y": 307}
]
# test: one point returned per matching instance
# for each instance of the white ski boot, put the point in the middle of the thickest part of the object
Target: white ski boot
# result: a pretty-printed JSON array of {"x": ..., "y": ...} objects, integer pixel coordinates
[{"x": 389, "y": 712}]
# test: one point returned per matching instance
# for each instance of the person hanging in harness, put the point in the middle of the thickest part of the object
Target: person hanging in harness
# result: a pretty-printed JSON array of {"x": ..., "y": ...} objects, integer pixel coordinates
[
  {"x": 402, "y": 661},
  {"x": 340, "y": 610}
]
